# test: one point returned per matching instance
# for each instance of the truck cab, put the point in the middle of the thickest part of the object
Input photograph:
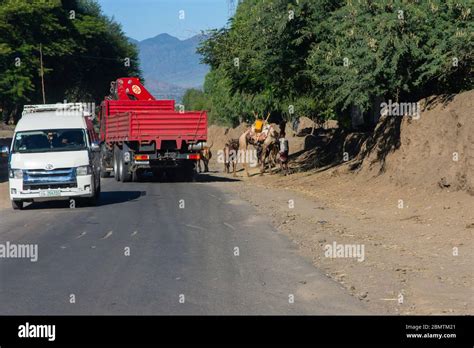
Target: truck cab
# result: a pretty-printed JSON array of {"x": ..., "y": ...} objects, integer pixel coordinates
[{"x": 54, "y": 155}]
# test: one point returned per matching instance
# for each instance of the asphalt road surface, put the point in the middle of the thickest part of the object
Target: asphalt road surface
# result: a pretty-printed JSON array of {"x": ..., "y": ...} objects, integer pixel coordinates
[{"x": 214, "y": 255}]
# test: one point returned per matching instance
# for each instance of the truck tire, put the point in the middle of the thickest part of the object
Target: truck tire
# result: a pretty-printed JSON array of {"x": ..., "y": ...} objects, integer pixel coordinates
[
  {"x": 124, "y": 171},
  {"x": 17, "y": 205},
  {"x": 126, "y": 175},
  {"x": 116, "y": 163}
]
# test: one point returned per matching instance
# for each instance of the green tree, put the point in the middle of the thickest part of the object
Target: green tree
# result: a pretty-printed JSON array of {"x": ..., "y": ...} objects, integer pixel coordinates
[
  {"x": 83, "y": 51},
  {"x": 395, "y": 49},
  {"x": 320, "y": 58},
  {"x": 195, "y": 99}
]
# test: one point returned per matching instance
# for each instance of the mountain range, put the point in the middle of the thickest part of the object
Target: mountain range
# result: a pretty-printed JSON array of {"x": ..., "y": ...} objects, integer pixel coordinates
[{"x": 170, "y": 65}]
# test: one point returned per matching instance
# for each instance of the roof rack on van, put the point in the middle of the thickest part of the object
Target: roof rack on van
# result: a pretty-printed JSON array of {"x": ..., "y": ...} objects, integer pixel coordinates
[{"x": 28, "y": 109}]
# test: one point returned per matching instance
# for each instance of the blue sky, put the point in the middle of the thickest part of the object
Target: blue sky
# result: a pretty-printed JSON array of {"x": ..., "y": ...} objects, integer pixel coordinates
[{"x": 142, "y": 19}]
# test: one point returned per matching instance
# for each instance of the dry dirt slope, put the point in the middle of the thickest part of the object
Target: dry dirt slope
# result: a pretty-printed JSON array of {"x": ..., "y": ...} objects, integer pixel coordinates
[
  {"x": 433, "y": 152},
  {"x": 436, "y": 150}
]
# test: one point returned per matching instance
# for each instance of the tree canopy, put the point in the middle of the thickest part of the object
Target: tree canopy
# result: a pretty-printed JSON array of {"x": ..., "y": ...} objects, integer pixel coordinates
[
  {"x": 83, "y": 51},
  {"x": 320, "y": 58}
]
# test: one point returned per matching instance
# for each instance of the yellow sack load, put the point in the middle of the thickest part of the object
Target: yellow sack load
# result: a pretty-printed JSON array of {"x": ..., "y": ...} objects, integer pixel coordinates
[{"x": 258, "y": 125}]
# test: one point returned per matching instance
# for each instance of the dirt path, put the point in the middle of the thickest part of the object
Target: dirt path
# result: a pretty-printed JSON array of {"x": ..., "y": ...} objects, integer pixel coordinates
[{"x": 417, "y": 258}]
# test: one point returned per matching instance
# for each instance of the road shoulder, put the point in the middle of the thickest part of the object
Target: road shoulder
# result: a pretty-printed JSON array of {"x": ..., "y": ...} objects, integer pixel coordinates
[{"x": 410, "y": 266}]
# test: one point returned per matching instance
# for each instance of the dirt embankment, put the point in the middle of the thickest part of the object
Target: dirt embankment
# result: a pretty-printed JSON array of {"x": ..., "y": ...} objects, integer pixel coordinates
[
  {"x": 404, "y": 193},
  {"x": 435, "y": 151}
]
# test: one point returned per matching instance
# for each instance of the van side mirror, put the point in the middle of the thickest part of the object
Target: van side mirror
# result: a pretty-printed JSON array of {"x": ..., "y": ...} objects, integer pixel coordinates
[
  {"x": 4, "y": 152},
  {"x": 95, "y": 146}
]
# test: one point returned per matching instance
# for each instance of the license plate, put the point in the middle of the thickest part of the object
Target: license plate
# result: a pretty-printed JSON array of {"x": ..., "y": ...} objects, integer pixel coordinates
[{"x": 50, "y": 193}]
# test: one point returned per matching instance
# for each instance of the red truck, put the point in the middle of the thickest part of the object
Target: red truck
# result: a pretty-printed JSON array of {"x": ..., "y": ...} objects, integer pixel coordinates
[{"x": 141, "y": 134}]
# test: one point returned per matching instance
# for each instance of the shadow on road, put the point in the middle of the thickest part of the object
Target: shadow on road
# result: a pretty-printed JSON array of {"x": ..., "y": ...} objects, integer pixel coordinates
[
  {"x": 106, "y": 198},
  {"x": 116, "y": 197},
  {"x": 214, "y": 178},
  {"x": 201, "y": 177}
]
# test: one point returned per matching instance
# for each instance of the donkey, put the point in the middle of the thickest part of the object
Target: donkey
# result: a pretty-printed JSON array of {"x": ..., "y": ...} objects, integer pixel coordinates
[
  {"x": 205, "y": 157},
  {"x": 231, "y": 150}
]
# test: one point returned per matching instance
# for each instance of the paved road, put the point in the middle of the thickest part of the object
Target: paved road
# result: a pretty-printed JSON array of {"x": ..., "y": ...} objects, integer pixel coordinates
[{"x": 174, "y": 251}]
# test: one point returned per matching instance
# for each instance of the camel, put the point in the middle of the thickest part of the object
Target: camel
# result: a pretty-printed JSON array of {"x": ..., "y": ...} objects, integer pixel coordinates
[{"x": 267, "y": 139}]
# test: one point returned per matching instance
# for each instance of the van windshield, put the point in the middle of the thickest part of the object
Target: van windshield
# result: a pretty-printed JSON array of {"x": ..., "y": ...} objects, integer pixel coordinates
[{"x": 50, "y": 140}]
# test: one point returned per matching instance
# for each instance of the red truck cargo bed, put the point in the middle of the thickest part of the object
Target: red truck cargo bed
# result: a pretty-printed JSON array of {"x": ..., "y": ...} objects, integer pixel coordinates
[{"x": 156, "y": 126}]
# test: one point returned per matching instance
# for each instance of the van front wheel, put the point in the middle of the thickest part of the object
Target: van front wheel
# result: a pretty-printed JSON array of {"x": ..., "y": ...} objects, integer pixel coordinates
[
  {"x": 94, "y": 200},
  {"x": 17, "y": 205}
]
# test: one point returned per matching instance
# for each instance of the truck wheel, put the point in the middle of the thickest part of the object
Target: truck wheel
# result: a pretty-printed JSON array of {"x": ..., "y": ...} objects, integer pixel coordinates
[
  {"x": 126, "y": 176},
  {"x": 116, "y": 164},
  {"x": 17, "y": 205},
  {"x": 124, "y": 172}
]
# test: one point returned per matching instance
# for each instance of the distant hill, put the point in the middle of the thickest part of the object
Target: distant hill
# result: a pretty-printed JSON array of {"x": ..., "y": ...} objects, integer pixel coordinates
[{"x": 170, "y": 65}]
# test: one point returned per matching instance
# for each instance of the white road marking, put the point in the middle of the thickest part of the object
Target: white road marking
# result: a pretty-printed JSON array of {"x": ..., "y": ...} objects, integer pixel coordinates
[
  {"x": 229, "y": 225},
  {"x": 107, "y": 235},
  {"x": 235, "y": 202},
  {"x": 134, "y": 233},
  {"x": 81, "y": 235},
  {"x": 196, "y": 227},
  {"x": 219, "y": 199}
]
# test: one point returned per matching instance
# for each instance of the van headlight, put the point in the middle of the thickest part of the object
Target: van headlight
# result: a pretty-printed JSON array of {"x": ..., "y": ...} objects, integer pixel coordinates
[
  {"x": 83, "y": 170},
  {"x": 16, "y": 174}
]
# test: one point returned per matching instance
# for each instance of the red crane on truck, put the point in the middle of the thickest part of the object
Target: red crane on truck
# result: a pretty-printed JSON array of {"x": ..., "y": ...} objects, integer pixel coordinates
[{"x": 141, "y": 134}]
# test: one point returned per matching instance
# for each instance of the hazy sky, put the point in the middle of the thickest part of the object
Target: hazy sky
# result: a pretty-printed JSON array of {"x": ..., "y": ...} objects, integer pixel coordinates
[{"x": 142, "y": 19}]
